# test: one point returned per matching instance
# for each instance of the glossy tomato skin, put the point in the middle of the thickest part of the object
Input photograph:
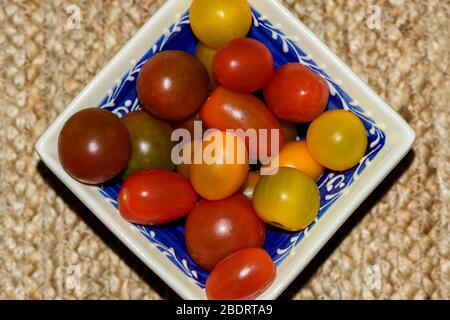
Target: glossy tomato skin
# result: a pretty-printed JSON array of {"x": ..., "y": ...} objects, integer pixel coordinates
[
  {"x": 288, "y": 199},
  {"x": 243, "y": 65},
  {"x": 229, "y": 110},
  {"x": 215, "y": 22},
  {"x": 155, "y": 196},
  {"x": 94, "y": 146},
  {"x": 243, "y": 275},
  {"x": 296, "y": 93},
  {"x": 172, "y": 85},
  {"x": 295, "y": 154},
  {"x": 216, "y": 229},
  {"x": 225, "y": 172},
  {"x": 337, "y": 139},
  {"x": 151, "y": 145}
]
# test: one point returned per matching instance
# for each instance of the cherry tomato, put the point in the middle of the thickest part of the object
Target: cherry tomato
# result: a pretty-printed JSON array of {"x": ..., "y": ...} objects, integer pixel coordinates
[
  {"x": 229, "y": 110},
  {"x": 249, "y": 185},
  {"x": 295, "y": 154},
  {"x": 215, "y": 22},
  {"x": 290, "y": 130},
  {"x": 94, "y": 146},
  {"x": 184, "y": 167},
  {"x": 220, "y": 165},
  {"x": 243, "y": 65},
  {"x": 296, "y": 93},
  {"x": 337, "y": 139},
  {"x": 205, "y": 55},
  {"x": 288, "y": 199},
  {"x": 150, "y": 142},
  {"x": 243, "y": 275},
  {"x": 172, "y": 85},
  {"x": 155, "y": 196},
  {"x": 216, "y": 229}
]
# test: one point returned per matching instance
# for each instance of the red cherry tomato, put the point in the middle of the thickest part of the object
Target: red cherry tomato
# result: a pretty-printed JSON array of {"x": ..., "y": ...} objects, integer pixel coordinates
[
  {"x": 216, "y": 229},
  {"x": 242, "y": 276},
  {"x": 297, "y": 93},
  {"x": 156, "y": 196},
  {"x": 243, "y": 65},
  {"x": 229, "y": 110}
]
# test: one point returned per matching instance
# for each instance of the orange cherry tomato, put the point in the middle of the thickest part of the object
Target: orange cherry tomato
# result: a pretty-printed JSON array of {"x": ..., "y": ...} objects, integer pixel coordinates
[
  {"x": 216, "y": 229},
  {"x": 242, "y": 276},
  {"x": 220, "y": 165},
  {"x": 250, "y": 183},
  {"x": 295, "y": 154}
]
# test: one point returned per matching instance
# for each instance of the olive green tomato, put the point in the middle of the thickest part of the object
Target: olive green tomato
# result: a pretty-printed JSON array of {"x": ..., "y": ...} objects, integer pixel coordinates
[
  {"x": 288, "y": 199},
  {"x": 150, "y": 142}
]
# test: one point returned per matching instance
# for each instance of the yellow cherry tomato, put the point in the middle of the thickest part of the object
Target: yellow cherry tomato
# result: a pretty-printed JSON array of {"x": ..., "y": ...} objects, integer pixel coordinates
[
  {"x": 295, "y": 154},
  {"x": 220, "y": 165},
  {"x": 215, "y": 22},
  {"x": 205, "y": 55},
  {"x": 288, "y": 199},
  {"x": 337, "y": 139},
  {"x": 290, "y": 130},
  {"x": 249, "y": 185}
]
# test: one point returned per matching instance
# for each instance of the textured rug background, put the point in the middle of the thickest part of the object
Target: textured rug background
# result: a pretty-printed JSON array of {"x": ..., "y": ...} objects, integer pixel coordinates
[{"x": 395, "y": 246}]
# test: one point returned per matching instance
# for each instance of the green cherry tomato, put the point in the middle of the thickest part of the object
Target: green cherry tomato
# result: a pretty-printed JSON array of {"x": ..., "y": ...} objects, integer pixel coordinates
[
  {"x": 150, "y": 142},
  {"x": 288, "y": 199},
  {"x": 215, "y": 22},
  {"x": 337, "y": 139}
]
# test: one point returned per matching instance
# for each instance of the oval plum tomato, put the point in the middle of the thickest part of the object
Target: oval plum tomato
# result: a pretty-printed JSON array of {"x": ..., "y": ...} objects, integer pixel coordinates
[
  {"x": 220, "y": 165},
  {"x": 155, "y": 196},
  {"x": 243, "y": 65},
  {"x": 94, "y": 146},
  {"x": 288, "y": 199},
  {"x": 205, "y": 55},
  {"x": 295, "y": 154},
  {"x": 337, "y": 139},
  {"x": 215, "y": 22},
  {"x": 297, "y": 93},
  {"x": 244, "y": 275},
  {"x": 229, "y": 110},
  {"x": 249, "y": 185},
  {"x": 172, "y": 85},
  {"x": 150, "y": 142},
  {"x": 216, "y": 229}
]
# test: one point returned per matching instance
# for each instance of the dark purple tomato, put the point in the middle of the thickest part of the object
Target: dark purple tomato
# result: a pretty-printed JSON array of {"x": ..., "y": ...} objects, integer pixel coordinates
[
  {"x": 172, "y": 85},
  {"x": 151, "y": 145},
  {"x": 94, "y": 146}
]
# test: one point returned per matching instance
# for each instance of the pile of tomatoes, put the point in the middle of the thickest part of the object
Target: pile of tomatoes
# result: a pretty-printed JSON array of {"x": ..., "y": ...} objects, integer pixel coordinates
[{"x": 226, "y": 204}]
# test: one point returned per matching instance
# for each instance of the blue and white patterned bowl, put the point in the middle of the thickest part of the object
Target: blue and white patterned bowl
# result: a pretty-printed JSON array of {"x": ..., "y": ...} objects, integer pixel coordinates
[{"x": 162, "y": 248}]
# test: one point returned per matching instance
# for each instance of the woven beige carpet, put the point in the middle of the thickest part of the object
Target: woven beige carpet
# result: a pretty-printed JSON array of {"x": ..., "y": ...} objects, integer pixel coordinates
[{"x": 395, "y": 246}]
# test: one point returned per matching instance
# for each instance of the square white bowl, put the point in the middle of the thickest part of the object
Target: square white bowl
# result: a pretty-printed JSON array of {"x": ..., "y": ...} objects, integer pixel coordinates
[{"x": 399, "y": 139}]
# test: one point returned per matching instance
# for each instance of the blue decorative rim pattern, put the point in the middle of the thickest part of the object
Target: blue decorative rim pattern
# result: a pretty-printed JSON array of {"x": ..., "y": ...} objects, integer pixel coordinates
[{"x": 169, "y": 239}]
